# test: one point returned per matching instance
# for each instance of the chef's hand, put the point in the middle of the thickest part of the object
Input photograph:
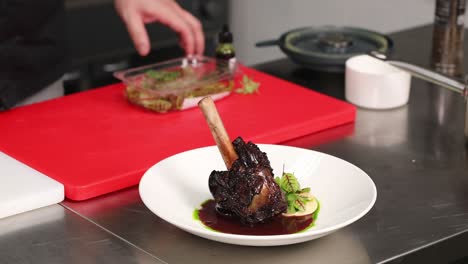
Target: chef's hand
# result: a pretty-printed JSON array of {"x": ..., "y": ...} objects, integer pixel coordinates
[{"x": 137, "y": 13}]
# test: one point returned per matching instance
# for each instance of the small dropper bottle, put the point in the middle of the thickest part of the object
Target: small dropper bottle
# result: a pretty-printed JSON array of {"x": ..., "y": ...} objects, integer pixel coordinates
[{"x": 225, "y": 52}]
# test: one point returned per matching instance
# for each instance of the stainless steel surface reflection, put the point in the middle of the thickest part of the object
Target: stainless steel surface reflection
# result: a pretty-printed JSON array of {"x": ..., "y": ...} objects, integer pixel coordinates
[
  {"x": 55, "y": 235},
  {"x": 420, "y": 169},
  {"x": 134, "y": 222},
  {"x": 382, "y": 129}
]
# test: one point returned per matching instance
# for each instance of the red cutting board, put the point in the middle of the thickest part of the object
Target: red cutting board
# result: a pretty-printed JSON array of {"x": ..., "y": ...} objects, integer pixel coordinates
[{"x": 95, "y": 142}]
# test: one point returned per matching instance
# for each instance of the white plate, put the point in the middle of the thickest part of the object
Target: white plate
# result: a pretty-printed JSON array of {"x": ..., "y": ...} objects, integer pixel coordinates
[{"x": 176, "y": 186}]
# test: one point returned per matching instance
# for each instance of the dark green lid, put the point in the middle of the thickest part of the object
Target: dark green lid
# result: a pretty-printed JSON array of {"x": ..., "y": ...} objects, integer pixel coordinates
[
  {"x": 327, "y": 48},
  {"x": 225, "y": 36}
]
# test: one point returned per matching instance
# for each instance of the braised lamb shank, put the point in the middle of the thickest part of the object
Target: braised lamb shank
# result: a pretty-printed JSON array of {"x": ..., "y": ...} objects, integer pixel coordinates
[{"x": 248, "y": 189}]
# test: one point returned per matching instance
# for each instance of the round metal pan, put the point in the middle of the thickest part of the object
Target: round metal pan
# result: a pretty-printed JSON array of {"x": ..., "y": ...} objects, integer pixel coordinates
[{"x": 327, "y": 48}]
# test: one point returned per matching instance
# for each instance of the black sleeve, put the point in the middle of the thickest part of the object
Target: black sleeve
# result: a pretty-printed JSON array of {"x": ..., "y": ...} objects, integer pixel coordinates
[
  {"x": 25, "y": 17},
  {"x": 33, "y": 47}
]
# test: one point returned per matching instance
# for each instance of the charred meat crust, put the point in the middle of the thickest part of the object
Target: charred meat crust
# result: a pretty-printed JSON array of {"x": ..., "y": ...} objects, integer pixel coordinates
[{"x": 248, "y": 190}]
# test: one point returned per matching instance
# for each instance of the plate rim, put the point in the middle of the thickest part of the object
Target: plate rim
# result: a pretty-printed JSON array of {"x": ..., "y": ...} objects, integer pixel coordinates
[{"x": 202, "y": 230}]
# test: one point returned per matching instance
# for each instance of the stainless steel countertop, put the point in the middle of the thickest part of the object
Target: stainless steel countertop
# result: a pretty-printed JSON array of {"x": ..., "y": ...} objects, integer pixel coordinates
[
  {"x": 55, "y": 235},
  {"x": 415, "y": 154}
]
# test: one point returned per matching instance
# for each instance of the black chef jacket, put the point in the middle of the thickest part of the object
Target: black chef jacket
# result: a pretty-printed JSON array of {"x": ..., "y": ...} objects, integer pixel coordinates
[{"x": 32, "y": 47}]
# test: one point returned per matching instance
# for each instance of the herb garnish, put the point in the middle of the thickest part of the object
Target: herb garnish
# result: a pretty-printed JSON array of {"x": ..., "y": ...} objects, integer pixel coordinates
[
  {"x": 295, "y": 196},
  {"x": 248, "y": 86},
  {"x": 163, "y": 76}
]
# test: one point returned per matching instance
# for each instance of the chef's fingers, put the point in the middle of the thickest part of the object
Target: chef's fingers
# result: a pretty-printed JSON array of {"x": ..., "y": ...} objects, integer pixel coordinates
[
  {"x": 137, "y": 31},
  {"x": 136, "y": 14},
  {"x": 197, "y": 31},
  {"x": 173, "y": 16}
]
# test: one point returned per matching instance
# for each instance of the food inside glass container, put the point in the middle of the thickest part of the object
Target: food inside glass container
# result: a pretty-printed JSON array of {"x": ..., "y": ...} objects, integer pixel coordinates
[{"x": 178, "y": 84}]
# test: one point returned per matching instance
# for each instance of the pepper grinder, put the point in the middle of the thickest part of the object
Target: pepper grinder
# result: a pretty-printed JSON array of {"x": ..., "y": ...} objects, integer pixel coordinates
[{"x": 448, "y": 37}]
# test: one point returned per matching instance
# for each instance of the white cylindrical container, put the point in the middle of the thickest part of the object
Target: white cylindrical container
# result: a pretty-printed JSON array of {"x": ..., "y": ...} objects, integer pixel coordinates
[{"x": 374, "y": 84}]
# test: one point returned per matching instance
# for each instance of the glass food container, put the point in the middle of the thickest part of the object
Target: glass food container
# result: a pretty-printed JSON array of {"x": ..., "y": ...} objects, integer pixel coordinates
[{"x": 177, "y": 84}]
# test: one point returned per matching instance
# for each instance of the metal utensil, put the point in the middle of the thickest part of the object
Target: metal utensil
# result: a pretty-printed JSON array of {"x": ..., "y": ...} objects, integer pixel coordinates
[{"x": 432, "y": 77}]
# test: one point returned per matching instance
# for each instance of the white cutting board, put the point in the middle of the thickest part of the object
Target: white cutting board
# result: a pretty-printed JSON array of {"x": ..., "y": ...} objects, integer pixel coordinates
[{"x": 23, "y": 188}]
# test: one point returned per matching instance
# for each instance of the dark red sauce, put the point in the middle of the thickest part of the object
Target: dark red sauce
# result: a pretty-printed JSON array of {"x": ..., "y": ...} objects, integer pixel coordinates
[{"x": 279, "y": 225}]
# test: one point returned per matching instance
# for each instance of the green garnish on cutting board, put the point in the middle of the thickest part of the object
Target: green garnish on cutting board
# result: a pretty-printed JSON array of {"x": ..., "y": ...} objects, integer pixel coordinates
[{"x": 248, "y": 86}]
